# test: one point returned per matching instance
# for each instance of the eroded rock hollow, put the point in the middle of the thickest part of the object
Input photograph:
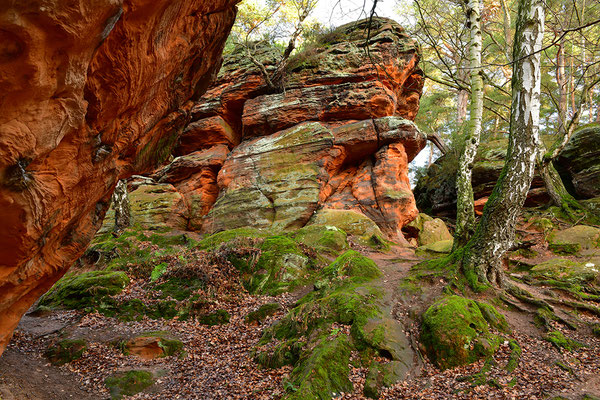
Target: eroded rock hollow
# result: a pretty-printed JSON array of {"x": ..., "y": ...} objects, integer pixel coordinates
[{"x": 90, "y": 92}]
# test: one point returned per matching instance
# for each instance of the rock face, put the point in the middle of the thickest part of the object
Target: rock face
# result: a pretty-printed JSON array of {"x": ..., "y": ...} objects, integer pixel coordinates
[
  {"x": 579, "y": 162},
  {"x": 90, "y": 92},
  {"x": 435, "y": 193},
  {"x": 339, "y": 136}
]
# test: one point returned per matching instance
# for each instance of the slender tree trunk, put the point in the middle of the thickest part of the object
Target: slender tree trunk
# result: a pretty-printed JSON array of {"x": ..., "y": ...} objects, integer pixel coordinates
[
  {"x": 561, "y": 81},
  {"x": 465, "y": 212},
  {"x": 506, "y": 26},
  {"x": 121, "y": 206},
  {"x": 462, "y": 98},
  {"x": 482, "y": 256}
]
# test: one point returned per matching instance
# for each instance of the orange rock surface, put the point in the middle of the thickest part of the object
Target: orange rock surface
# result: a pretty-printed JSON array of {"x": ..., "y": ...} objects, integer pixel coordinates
[
  {"x": 339, "y": 135},
  {"x": 91, "y": 91}
]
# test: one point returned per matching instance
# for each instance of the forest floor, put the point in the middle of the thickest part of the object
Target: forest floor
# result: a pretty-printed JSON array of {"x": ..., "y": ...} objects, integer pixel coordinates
[{"x": 218, "y": 364}]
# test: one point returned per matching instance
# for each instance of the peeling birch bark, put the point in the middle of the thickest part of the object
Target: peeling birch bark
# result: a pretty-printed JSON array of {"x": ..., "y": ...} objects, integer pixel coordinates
[
  {"x": 465, "y": 212},
  {"x": 483, "y": 255}
]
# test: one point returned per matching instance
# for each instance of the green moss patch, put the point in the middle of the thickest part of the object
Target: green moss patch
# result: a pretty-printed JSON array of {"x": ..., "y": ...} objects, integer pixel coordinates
[
  {"x": 65, "y": 351},
  {"x": 560, "y": 341},
  {"x": 573, "y": 240},
  {"x": 326, "y": 239},
  {"x": 128, "y": 383},
  {"x": 455, "y": 331},
  {"x": 567, "y": 271},
  {"x": 323, "y": 373},
  {"x": 263, "y": 312},
  {"x": 218, "y": 317},
  {"x": 84, "y": 290}
]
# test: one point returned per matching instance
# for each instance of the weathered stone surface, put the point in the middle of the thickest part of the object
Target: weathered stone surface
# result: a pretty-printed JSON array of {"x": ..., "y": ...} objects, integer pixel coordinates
[
  {"x": 579, "y": 162},
  {"x": 575, "y": 239},
  {"x": 337, "y": 137},
  {"x": 90, "y": 92},
  {"x": 435, "y": 193}
]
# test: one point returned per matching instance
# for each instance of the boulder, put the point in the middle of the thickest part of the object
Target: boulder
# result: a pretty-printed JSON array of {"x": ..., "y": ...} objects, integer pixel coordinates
[
  {"x": 579, "y": 162},
  {"x": 456, "y": 331},
  {"x": 573, "y": 240},
  {"x": 435, "y": 192},
  {"x": 150, "y": 345}
]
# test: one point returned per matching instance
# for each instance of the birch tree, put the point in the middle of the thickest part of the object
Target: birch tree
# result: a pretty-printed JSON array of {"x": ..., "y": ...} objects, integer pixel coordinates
[
  {"x": 481, "y": 258},
  {"x": 465, "y": 212}
]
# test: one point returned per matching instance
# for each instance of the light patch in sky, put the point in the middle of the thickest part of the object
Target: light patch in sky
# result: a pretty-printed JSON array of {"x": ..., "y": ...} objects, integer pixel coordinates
[{"x": 339, "y": 12}]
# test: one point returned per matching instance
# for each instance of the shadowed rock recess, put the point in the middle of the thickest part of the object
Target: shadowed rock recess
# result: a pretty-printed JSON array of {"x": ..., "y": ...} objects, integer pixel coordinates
[
  {"x": 331, "y": 148},
  {"x": 90, "y": 92}
]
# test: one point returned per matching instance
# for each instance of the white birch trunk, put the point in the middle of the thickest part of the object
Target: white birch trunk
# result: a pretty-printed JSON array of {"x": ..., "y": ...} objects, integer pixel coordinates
[
  {"x": 465, "y": 212},
  {"x": 483, "y": 255}
]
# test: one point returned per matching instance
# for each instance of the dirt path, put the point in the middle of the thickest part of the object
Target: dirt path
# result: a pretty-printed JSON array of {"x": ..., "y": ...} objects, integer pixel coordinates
[{"x": 23, "y": 376}]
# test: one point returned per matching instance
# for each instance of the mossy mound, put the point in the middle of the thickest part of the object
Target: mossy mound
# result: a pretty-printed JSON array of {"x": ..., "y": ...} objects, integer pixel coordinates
[
  {"x": 455, "y": 331},
  {"x": 326, "y": 239},
  {"x": 436, "y": 249},
  {"x": 566, "y": 271},
  {"x": 365, "y": 231},
  {"x": 128, "y": 383},
  {"x": 311, "y": 336},
  {"x": 269, "y": 264},
  {"x": 84, "y": 290},
  {"x": 427, "y": 230},
  {"x": 65, "y": 351},
  {"x": 573, "y": 240},
  {"x": 263, "y": 312},
  {"x": 352, "y": 264},
  {"x": 212, "y": 242},
  {"x": 323, "y": 372}
]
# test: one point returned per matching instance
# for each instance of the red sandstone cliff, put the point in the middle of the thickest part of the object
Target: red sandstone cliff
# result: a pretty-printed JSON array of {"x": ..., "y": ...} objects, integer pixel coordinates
[
  {"x": 331, "y": 148},
  {"x": 90, "y": 91}
]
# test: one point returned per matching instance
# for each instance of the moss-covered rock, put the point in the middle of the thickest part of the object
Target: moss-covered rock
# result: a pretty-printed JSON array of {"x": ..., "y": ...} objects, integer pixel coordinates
[
  {"x": 352, "y": 264},
  {"x": 382, "y": 375},
  {"x": 65, "y": 351},
  {"x": 567, "y": 271},
  {"x": 212, "y": 242},
  {"x": 436, "y": 249},
  {"x": 428, "y": 230},
  {"x": 84, "y": 290},
  {"x": 128, "y": 383},
  {"x": 456, "y": 332},
  {"x": 324, "y": 372},
  {"x": 327, "y": 239},
  {"x": 353, "y": 223},
  {"x": 573, "y": 240},
  {"x": 263, "y": 312}
]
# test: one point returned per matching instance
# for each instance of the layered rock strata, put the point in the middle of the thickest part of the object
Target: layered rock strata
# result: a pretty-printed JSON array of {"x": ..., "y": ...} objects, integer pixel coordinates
[
  {"x": 338, "y": 136},
  {"x": 90, "y": 92}
]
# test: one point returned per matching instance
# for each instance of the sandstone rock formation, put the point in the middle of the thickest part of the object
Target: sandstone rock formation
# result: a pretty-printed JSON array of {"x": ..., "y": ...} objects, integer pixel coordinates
[
  {"x": 579, "y": 162},
  {"x": 435, "y": 193},
  {"x": 90, "y": 92},
  {"x": 337, "y": 137}
]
